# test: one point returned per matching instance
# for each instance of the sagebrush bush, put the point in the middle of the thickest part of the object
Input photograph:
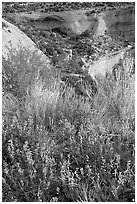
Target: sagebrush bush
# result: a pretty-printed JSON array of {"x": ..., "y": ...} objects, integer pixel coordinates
[{"x": 71, "y": 148}]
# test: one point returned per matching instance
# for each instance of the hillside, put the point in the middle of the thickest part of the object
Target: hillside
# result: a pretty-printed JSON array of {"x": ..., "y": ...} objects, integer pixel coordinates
[{"x": 68, "y": 76}]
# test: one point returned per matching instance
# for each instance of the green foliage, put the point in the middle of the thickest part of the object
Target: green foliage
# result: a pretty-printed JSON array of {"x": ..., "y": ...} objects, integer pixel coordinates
[{"x": 71, "y": 148}]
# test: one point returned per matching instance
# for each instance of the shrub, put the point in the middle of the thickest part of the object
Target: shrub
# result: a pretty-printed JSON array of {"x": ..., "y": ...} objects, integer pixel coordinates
[{"x": 85, "y": 153}]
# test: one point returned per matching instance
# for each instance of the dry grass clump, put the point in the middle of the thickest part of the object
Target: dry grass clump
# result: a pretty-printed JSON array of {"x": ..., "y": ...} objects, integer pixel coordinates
[
  {"x": 74, "y": 149},
  {"x": 32, "y": 82}
]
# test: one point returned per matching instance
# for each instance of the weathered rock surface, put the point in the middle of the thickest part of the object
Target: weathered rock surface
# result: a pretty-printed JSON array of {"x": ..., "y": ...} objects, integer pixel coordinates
[
  {"x": 106, "y": 63},
  {"x": 14, "y": 39}
]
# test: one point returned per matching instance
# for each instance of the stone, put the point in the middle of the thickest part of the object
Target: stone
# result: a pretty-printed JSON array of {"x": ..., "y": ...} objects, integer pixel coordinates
[
  {"x": 106, "y": 63},
  {"x": 14, "y": 38}
]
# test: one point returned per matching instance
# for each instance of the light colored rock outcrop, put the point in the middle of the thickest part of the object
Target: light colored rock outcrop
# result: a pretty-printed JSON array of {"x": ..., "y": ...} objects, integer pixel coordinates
[
  {"x": 101, "y": 28},
  {"x": 14, "y": 39},
  {"x": 106, "y": 63}
]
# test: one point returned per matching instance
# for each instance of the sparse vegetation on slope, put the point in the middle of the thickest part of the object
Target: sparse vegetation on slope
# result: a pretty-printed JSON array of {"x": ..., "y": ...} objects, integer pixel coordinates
[{"x": 73, "y": 148}]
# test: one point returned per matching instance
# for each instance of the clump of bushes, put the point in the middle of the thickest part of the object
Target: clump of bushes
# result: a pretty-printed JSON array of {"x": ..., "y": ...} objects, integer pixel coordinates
[{"x": 69, "y": 148}]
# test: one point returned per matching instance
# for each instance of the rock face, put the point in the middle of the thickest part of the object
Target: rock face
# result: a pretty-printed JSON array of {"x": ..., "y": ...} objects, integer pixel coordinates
[
  {"x": 106, "y": 63},
  {"x": 14, "y": 38}
]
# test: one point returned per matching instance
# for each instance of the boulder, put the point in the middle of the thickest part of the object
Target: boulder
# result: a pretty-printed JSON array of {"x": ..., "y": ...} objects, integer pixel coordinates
[
  {"x": 14, "y": 38},
  {"x": 106, "y": 63}
]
